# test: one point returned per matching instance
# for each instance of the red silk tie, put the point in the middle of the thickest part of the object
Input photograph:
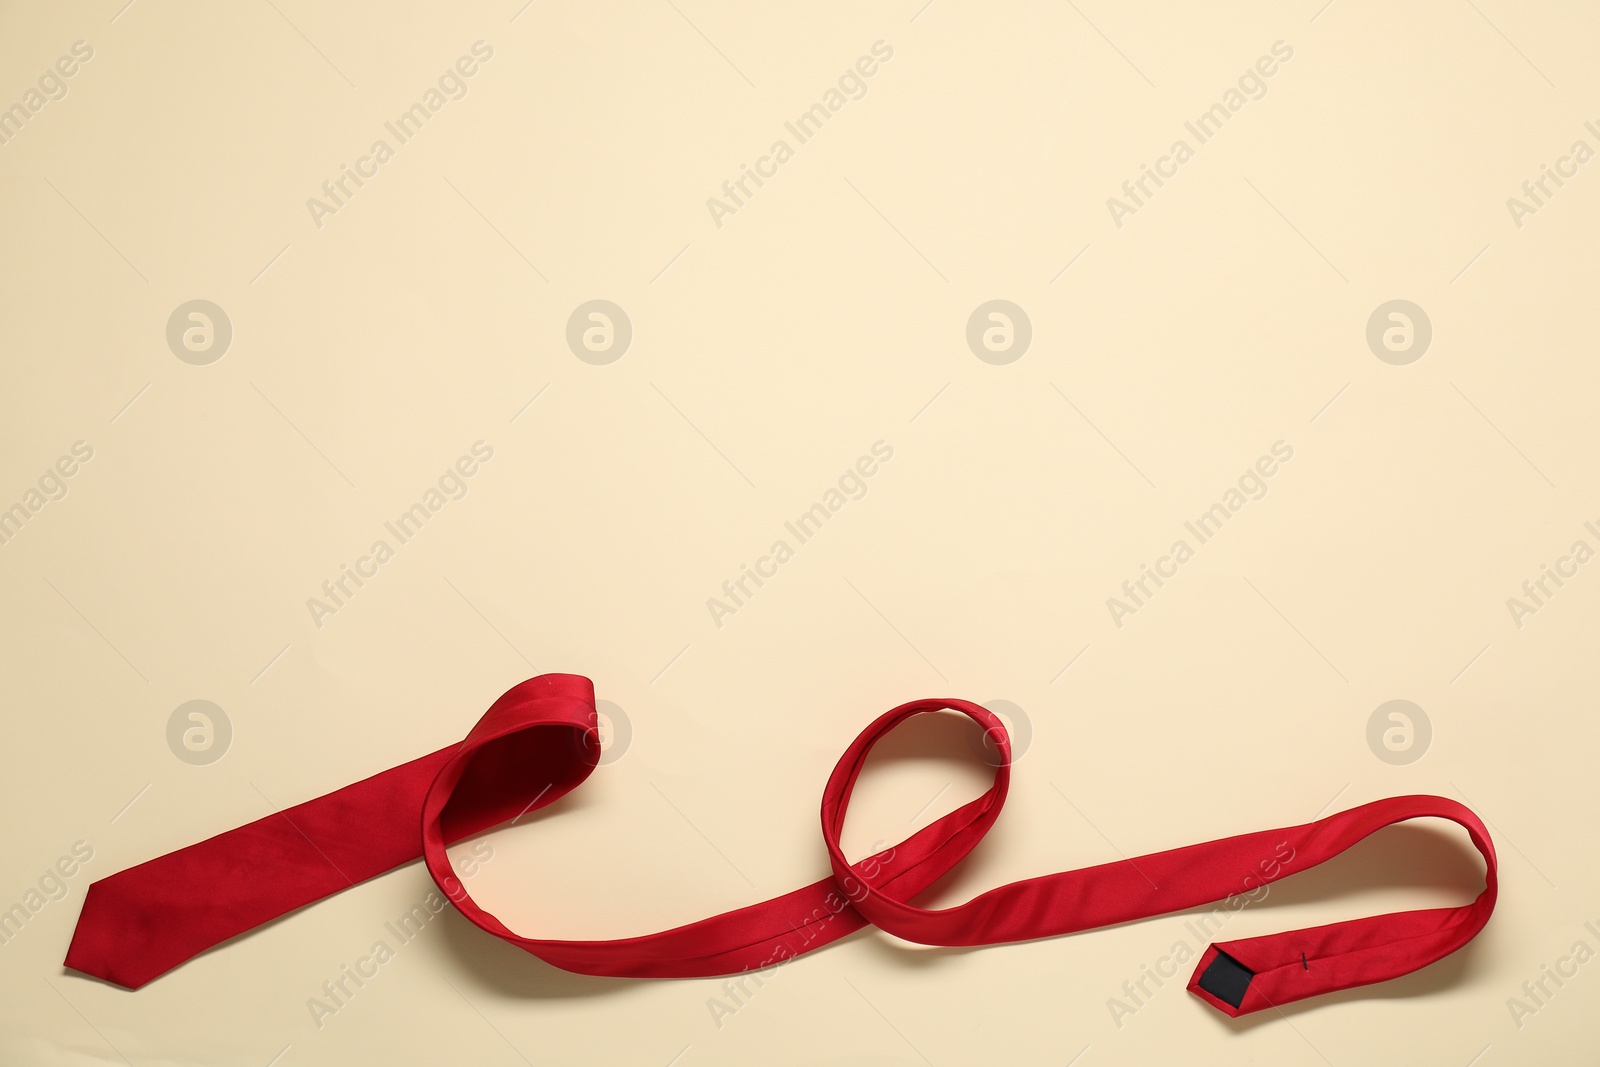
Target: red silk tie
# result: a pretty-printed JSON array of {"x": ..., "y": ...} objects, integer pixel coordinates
[{"x": 539, "y": 741}]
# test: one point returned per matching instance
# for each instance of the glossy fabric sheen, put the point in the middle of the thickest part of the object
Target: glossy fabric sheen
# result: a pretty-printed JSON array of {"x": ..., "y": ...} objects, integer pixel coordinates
[{"x": 539, "y": 741}]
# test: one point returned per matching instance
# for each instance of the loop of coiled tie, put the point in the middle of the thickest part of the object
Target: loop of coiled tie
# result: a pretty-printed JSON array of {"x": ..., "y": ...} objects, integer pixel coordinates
[{"x": 487, "y": 780}]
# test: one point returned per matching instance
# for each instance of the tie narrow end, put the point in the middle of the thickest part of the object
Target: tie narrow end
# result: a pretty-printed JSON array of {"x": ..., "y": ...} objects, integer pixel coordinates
[{"x": 1222, "y": 981}]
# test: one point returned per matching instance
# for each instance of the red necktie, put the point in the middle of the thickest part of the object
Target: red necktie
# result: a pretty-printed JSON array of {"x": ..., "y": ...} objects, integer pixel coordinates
[{"x": 539, "y": 740}]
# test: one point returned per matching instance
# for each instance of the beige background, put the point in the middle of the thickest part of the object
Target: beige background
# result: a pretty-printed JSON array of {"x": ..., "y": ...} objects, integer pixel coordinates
[{"x": 769, "y": 353}]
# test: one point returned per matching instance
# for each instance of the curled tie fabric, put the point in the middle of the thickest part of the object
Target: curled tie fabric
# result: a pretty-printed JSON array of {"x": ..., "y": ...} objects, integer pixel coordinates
[{"x": 540, "y": 740}]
